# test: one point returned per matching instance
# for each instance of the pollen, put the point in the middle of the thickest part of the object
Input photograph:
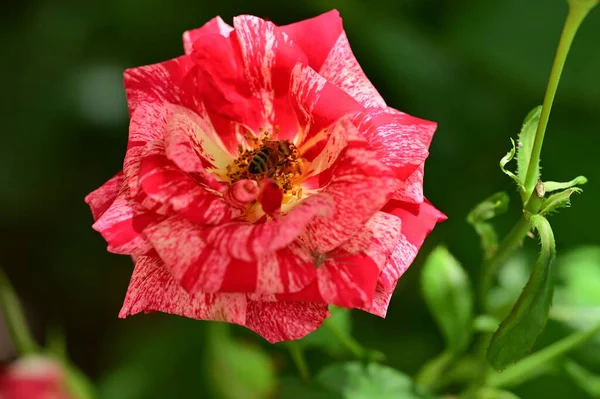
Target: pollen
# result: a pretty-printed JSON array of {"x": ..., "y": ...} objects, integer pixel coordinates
[{"x": 265, "y": 157}]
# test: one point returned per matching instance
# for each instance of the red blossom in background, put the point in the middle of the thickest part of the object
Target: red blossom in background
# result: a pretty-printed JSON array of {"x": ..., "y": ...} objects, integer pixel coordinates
[
  {"x": 32, "y": 377},
  {"x": 265, "y": 179}
]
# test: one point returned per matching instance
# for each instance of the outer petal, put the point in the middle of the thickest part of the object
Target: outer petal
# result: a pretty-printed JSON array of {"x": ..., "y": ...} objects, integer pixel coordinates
[
  {"x": 418, "y": 220},
  {"x": 400, "y": 140},
  {"x": 283, "y": 321},
  {"x": 324, "y": 42},
  {"x": 381, "y": 301},
  {"x": 122, "y": 225},
  {"x": 100, "y": 199},
  {"x": 212, "y": 27},
  {"x": 152, "y": 288},
  {"x": 200, "y": 267},
  {"x": 316, "y": 36},
  {"x": 160, "y": 83},
  {"x": 411, "y": 190},
  {"x": 343, "y": 70}
]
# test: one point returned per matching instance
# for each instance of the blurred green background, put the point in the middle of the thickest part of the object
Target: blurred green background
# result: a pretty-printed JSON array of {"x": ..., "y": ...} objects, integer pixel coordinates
[{"x": 474, "y": 66}]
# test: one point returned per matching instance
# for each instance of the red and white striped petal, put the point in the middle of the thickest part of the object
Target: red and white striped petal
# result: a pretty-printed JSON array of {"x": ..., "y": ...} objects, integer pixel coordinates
[
  {"x": 411, "y": 190},
  {"x": 381, "y": 301},
  {"x": 123, "y": 223},
  {"x": 418, "y": 220},
  {"x": 359, "y": 187},
  {"x": 343, "y": 70},
  {"x": 164, "y": 183},
  {"x": 200, "y": 267},
  {"x": 215, "y": 26},
  {"x": 400, "y": 140},
  {"x": 318, "y": 105},
  {"x": 337, "y": 139},
  {"x": 245, "y": 77},
  {"x": 159, "y": 84},
  {"x": 284, "y": 321},
  {"x": 192, "y": 144},
  {"x": 250, "y": 241},
  {"x": 100, "y": 199},
  {"x": 400, "y": 259},
  {"x": 153, "y": 289},
  {"x": 326, "y": 46}
]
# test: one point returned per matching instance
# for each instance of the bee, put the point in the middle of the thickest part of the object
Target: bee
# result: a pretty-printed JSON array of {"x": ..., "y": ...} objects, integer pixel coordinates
[{"x": 269, "y": 156}]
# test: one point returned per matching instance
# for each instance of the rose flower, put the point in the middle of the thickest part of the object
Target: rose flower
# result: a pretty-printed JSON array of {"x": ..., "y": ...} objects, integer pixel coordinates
[
  {"x": 33, "y": 377},
  {"x": 265, "y": 179}
]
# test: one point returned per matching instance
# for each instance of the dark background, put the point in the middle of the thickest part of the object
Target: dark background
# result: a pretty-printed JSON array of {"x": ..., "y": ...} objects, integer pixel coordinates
[{"x": 474, "y": 66}]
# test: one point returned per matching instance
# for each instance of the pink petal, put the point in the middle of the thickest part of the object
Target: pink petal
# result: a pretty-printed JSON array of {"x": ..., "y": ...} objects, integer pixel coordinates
[
  {"x": 411, "y": 190},
  {"x": 316, "y": 36},
  {"x": 100, "y": 199},
  {"x": 159, "y": 83},
  {"x": 200, "y": 267},
  {"x": 152, "y": 288},
  {"x": 164, "y": 183},
  {"x": 284, "y": 321},
  {"x": 214, "y": 26},
  {"x": 122, "y": 225},
  {"x": 318, "y": 105},
  {"x": 359, "y": 187},
  {"x": 337, "y": 139},
  {"x": 400, "y": 140}
]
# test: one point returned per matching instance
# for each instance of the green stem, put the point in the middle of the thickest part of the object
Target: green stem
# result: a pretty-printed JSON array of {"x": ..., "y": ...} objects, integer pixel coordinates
[
  {"x": 13, "y": 314},
  {"x": 347, "y": 341},
  {"x": 577, "y": 12},
  {"x": 535, "y": 364},
  {"x": 299, "y": 360}
]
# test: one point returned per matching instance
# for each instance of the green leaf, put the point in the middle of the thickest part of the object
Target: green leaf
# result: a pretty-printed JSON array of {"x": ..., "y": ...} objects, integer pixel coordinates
[
  {"x": 554, "y": 186},
  {"x": 355, "y": 380},
  {"x": 525, "y": 146},
  {"x": 324, "y": 338},
  {"x": 557, "y": 201},
  {"x": 448, "y": 295},
  {"x": 238, "y": 371},
  {"x": 588, "y": 381},
  {"x": 504, "y": 161},
  {"x": 484, "y": 211},
  {"x": 518, "y": 332}
]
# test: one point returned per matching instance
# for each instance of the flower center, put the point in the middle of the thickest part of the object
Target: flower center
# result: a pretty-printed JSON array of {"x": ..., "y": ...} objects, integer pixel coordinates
[{"x": 264, "y": 157}]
